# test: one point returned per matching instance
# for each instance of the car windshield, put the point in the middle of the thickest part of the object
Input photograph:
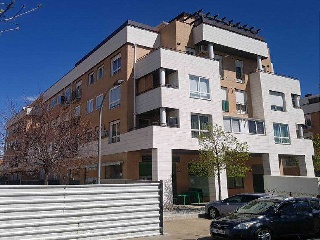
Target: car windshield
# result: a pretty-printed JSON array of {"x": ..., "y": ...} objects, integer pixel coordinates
[{"x": 257, "y": 207}]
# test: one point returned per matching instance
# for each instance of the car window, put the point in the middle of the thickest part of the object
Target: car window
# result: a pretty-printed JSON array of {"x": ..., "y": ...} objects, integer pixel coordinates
[
  {"x": 234, "y": 199},
  {"x": 291, "y": 208},
  {"x": 287, "y": 208},
  {"x": 257, "y": 207},
  {"x": 248, "y": 198},
  {"x": 315, "y": 204},
  {"x": 302, "y": 206}
]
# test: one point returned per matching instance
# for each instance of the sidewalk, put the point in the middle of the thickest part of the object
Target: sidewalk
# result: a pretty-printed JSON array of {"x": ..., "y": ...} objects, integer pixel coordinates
[{"x": 184, "y": 225}]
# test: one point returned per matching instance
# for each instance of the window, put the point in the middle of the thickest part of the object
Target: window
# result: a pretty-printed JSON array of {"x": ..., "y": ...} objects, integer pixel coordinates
[
  {"x": 113, "y": 170},
  {"x": 90, "y": 106},
  {"x": 115, "y": 131},
  {"x": 199, "y": 87},
  {"x": 276, "y": 100},
  {"x": 99, "y": 100},
  {"x": 116, "y": 64},
  {"x": 114, "y": 97},
  {"x": 256, "y": 127},
  {"x": 100, "y": 72},
  {"x": 219, "y": 58},
  {"x": 241, "y": 102},
  {"x": 225, "y": 102},
  {"x": 235, "y": 182},
  {"x": 77, "y": 111},
  {"x": 295, "y": 100},
  {"x": 68, "y": 95},
  {"x": 227, "y": 124},
  {"x": 308, "y": 121},
  {"x": 199, "y": 124},
  {"x": 239, "y": 71},
  {"x": 59, "y": 101},
  {"x": 299, "y": 130},
  {"x": 238, "y": 125},
  {"x": 78, "y": 90},
  {"x": 53, "y": 102},
  {"x": 91, "y": 78},
  {"x": 281, "y": 133}
]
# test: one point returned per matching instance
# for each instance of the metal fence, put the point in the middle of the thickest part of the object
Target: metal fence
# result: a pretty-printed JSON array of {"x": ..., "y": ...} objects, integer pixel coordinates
[{"x": 106, "y": 211}]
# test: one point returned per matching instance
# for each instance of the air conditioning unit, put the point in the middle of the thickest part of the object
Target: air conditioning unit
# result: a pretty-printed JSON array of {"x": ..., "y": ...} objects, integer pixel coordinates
[{"x": 203, "y": 49}]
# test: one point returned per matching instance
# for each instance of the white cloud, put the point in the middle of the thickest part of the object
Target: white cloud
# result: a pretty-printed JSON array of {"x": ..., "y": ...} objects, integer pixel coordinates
[{"x": 30, "y": 98}]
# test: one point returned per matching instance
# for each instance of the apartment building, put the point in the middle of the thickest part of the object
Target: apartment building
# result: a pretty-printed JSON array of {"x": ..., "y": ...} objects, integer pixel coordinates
[
  {"x": 310, "y": 105},
  {"x": 161, "y": 85}
]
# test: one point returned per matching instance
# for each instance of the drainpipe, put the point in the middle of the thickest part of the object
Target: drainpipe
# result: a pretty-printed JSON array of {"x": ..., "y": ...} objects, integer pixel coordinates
[{"x": 134, "y": 88}]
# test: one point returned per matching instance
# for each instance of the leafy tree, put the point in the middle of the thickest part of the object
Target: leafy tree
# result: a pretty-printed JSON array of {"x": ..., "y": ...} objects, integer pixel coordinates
[
  {"x": 316, "y": 157},
  {"x": 220, "y": 151}
]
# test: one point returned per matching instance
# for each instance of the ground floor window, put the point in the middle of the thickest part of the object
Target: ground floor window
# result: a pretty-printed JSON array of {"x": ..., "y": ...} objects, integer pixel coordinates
[
  {"x": 235, "y": 182},
  {"x": 113, "y": 171}
]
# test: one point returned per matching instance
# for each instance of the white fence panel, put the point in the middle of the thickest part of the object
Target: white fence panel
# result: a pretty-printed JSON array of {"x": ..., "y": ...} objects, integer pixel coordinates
[{"x": 106, "y": 211}]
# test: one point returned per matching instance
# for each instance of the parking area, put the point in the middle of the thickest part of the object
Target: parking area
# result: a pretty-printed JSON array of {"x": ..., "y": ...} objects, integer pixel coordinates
[
  {"x": 188, "y": 227},
  {"x": 183, "y": 226}
]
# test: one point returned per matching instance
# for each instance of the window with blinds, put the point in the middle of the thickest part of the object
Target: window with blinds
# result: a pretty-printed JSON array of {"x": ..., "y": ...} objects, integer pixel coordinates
[
  {"x": 277, "y": 101},
  {"x": 241, "y": 102}
]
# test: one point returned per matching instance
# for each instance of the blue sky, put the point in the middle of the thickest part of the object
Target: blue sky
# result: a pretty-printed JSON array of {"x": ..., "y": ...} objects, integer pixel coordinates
[{"x": 51, "y": 40}]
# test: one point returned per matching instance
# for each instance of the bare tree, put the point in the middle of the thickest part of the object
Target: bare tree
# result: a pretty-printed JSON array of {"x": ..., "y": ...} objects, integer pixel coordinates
[
  {"x": 44, "y": 140},
  {"x": 8, "y": 15}
]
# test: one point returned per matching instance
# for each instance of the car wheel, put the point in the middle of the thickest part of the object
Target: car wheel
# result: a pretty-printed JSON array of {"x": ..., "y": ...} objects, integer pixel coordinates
[
  {"x": 263, "y": 234},
  {"x": 213, "y": 212}
]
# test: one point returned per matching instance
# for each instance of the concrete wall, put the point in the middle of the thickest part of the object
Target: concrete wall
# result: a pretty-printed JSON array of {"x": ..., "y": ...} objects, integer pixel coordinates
[
  {"x": 222, "y": 37},
  {"x": 296, "y": 185}
]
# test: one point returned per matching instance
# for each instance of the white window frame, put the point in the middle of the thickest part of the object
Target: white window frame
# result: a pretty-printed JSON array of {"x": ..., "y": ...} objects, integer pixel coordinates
[
  {"x": 100, "y": 72},
  {"x": 282, "y": 139},
  {"x": 115, "y": 138},
  {"x": 239, "y": 65},
  {"x": 195, "y": 132},
  {"x": 90, "y": 106},
  {"x": 91, "y": 78},
  {"x": 99, "y": 100},
  {"x": 116, "y": 59},
  {"x": 198, "y": 93},
  {"x": 113, "y": 103},
  {"x": 277, "y": 107},
  {"x": 230, "y": 123},
  {"x": 241, "y": 106},
  {"x": 256, "y": 127}
]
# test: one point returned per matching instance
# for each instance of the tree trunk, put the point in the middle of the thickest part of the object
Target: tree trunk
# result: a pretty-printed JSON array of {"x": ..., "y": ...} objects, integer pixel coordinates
[
  {"x": 219, "y": 184},
  {"x": 46, "y": 179}
]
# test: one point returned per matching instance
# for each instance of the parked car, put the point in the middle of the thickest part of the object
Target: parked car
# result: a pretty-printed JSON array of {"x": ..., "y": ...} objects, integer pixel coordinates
[
  {"x": 268, "y": 218},
  {"x": 221, "y": 208}
]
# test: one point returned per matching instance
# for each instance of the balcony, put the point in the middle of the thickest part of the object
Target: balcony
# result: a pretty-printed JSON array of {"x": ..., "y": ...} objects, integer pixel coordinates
[
  {"x": 157, "y": 117},
  {"x": 230, "y": 41}
]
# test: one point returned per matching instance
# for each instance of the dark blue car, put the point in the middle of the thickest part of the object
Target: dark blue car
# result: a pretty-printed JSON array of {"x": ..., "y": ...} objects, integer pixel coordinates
[{"x": 270, "y": 217}]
